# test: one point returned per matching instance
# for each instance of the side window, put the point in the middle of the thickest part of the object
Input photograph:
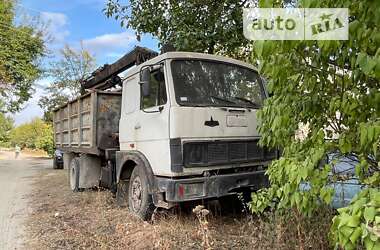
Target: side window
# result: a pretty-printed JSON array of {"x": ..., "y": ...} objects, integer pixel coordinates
[
  {"x": 130, "y": 100},
  {"x": 157, "y": 91}
]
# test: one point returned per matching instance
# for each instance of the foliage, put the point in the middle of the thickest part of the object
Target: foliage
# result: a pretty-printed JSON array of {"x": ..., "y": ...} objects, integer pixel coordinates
[
  {"x": 200, "y": 26},
  {"x": 68, "y": 72},
  {"x": 332, "y": 88},
  {"x": 359, "y": 220},
  {"x": 51, "y": 101},
  {"x": 36, "y": 135},
  {"x": 45, "y": 141},
  {"x": 21, "y": 47},
  {"x": 6, "y": 124}
]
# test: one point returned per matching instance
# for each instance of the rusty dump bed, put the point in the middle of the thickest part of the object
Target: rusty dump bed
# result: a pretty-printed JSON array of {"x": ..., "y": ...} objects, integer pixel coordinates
[{"x": 89, "y": 123}]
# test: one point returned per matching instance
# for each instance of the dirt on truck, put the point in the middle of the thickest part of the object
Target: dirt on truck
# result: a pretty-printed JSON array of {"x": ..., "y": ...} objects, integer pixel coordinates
[{"x": 160, "y": 130}]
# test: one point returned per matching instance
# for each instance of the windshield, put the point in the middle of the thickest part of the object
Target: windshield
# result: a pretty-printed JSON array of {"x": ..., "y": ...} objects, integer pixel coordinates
[{"x": 212, "y": 83}]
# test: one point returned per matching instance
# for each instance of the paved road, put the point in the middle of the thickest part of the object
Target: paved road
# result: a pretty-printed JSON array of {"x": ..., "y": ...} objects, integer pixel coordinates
[{"x": 15, "y": 179}]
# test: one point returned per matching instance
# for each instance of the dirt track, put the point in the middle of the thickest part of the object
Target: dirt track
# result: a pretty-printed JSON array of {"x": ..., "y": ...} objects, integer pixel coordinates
[{"x": 15, "y": 185}]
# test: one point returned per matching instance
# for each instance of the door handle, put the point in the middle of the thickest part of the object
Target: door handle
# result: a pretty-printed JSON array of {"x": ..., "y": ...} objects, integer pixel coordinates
[{"x": 137, "y": 126}]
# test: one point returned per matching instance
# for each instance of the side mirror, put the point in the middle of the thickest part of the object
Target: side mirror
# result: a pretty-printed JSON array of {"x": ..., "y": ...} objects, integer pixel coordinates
[{"x": 145, "y": 81}]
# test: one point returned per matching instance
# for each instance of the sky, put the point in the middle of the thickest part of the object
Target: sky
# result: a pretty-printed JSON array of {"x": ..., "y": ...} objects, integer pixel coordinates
[{"x": 73, "y": 22}]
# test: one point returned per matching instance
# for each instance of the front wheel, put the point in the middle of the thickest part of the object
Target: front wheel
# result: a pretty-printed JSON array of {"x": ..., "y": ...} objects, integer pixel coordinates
[{"x": 139, "y": 200}]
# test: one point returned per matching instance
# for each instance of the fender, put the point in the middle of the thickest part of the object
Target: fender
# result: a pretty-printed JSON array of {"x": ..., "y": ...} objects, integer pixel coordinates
[{"x": 141, "y": 161}]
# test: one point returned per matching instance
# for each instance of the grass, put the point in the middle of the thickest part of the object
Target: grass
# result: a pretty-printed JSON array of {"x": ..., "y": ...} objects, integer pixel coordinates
[{"x": 61, "y": 219}]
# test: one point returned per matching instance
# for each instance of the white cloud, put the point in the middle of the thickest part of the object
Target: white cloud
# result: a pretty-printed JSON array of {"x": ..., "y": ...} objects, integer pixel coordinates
[
  {"x": 110, "y": 42},
  {"x": 57, "y": 23},
  {"x": 31, "y": 109}
]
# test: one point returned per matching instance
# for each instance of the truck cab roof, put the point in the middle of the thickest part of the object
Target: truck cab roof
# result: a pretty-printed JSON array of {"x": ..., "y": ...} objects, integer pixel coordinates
[{"x": 188, "y": 55}]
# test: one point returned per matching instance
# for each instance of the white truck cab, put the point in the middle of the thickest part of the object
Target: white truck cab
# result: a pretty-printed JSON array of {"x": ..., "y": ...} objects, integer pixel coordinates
[{"x": 186, "y": 131}]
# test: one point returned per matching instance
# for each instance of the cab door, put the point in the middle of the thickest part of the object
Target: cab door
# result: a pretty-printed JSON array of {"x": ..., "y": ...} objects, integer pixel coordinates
[
  {"x": 129, "y": 113},
  {"x": 149, "y": 124}
]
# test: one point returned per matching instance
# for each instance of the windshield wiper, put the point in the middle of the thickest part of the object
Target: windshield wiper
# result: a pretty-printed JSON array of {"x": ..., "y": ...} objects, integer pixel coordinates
[
  {"x": 222, "y": 99},
  {"x": 247, "y": 101},
  {"x": 195, "y": 104}
]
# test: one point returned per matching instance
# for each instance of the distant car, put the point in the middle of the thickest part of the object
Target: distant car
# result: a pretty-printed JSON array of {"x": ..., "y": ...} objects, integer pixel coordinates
[
  {"x": 58, "y": 159},
  {"x": 348, "y": 184}
]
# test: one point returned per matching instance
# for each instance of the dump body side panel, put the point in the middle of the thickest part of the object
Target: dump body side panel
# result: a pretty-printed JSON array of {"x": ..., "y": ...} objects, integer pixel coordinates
[
  {"x": 89, "y": 123},
  {"x": 107, "y": 120}
]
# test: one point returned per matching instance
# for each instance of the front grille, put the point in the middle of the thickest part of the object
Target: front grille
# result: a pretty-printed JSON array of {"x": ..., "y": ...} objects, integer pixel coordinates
[
  {"x": 238, "y": 151},
  {"x": 254, "y": 151},
  {"x": 218, "y": 152}
]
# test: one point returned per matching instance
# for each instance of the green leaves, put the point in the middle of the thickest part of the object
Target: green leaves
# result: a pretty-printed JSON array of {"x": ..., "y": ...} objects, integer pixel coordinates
[
  {"x": 199, "y": 26},
  {"x": 35, "y": 134},
  {"x": 326, "y": 194},
  {"x": 334, "y": 88},
  {"x": 21, "y": 48},
  {"x": 370, "y": 136},
  {"x": 6, "y": 124},
  {"x": 352, "y": 226},
  {"x": 367, "y": 63},
  {"x": 369, "y": 214},
  {"x": 266, "y": 3}
]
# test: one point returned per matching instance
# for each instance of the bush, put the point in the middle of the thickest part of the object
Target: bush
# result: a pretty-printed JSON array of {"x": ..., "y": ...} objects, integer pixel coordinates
[
  {"x": 332, "y": 88},
  {"x": 36, "y": 135}
]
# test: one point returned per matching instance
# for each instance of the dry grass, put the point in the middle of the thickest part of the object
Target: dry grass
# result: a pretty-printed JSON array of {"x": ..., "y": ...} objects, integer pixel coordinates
[{"x": 61, "y": 219}]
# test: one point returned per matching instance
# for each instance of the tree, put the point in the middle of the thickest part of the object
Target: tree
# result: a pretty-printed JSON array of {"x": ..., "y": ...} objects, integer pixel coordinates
[
  {"x": 200, "y": 26},
  {"x": 333, "y": 87},
  {"x": 21, "y": 48},
  {"x": 6, "y": 125},
  {"x": 36, "y": 135},
  {"x": 68, "y": 72},
  {"x": 45, "y": 140}
]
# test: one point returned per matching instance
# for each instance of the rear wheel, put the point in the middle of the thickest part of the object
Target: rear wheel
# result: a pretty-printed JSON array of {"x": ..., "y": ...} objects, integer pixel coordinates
[
  {"x": 74, "y": 174},
  {"x": 139, "y": 200}
]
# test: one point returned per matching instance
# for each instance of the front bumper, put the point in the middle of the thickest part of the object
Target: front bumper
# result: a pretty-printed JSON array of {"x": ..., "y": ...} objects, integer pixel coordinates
[{"x": 177, "y": 190}]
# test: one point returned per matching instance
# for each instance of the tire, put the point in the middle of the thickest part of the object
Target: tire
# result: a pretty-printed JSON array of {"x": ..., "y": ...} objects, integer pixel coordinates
[
  {"x": 55, "y": 166},
  {"x": 122, "y": 193},
  {"x": 74, "y": 174},
  {"x": 139, "y": 200}
]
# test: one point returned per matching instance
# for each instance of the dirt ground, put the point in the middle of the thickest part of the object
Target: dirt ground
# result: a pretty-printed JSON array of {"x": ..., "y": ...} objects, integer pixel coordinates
[
  {"x": 91, "y": 220},
  {"x": 38, "y": 211},
  {"x": 15, "y": 184}
]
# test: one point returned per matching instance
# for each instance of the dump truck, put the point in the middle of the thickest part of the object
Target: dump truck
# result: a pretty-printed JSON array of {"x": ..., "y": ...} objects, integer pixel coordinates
[{"x": 163, "y": 129}]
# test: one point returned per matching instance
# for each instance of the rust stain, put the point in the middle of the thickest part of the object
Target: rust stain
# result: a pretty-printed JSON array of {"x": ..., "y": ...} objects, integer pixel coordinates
[{"x": 104, "y": 108}]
